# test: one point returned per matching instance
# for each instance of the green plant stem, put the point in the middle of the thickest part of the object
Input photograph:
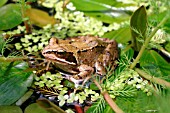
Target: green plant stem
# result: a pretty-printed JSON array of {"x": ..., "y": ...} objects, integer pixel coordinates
[
  {"x": 127, "y": 48},
  {"x": 108, "y": 99},
  {"x": 4, "y": 59},
  {"x": 23, "y": 11},
  {"x": 147, "y": 42},
  {"x": 152, "y": 78}
]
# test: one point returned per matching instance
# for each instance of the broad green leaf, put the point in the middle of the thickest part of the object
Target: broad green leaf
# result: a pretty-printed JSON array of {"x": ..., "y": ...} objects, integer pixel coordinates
[
  {"x": 39, "y": 17},
  {"x": 140, "y": 103},
  {"x": 2, "y": 2},
  {"x": 10, "y": 109},
  {"x": 167, "y": 47},
  {"x": 138, "y": 24},
  {"x": 122, "y": 35},
  {"x": 49, "y": 106},
  {"x": 102, "y": 11},
  {"x": 13, "y": 82},
  {"x": 10, "y": 16},
  {"x": 35, "y": 108},
  {"x": 155, "y": 63}
]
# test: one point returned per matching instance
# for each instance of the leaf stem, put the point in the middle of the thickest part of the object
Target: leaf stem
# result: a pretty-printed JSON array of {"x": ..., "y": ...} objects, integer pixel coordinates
[
  {"x": 109, "y": 100},
  {"x": 152, "y": 78},
  {"x": 147, "y": 42},
  {"x": 4, "y": 59}
]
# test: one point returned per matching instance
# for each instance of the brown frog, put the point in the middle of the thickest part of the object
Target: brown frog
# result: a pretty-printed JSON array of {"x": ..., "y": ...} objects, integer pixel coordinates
[{"x": 82, "y": 56}]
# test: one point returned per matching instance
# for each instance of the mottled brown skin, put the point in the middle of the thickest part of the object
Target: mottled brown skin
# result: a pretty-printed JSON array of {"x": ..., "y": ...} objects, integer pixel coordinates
[{"x": 82, "y": 56}]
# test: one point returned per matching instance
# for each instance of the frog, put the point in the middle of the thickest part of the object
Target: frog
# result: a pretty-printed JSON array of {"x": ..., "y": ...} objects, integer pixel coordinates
[{"x": 78, "y": 58}]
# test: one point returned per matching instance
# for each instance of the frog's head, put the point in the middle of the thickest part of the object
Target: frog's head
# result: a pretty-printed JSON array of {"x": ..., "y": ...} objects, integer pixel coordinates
[{"x": 60, "y": 53}]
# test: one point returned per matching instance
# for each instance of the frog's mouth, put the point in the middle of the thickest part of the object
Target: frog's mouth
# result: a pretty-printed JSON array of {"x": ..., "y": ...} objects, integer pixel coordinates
[{"x": 61, "y": 57}]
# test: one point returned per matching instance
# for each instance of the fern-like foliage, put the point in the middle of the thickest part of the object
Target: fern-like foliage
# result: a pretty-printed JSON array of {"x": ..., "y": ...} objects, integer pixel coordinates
[
  {"x": 48, "y": 91},
  {"x": 97, "y": 107}
]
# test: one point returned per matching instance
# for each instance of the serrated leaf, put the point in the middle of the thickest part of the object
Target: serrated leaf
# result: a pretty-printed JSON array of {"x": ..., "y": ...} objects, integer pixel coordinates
[
  {"x": 122, "y": 35},
  {"x": 13, "y": 83},
  {"x": 103, "y": 11},
  {"x": 10, "y": 16},
  {"x": 138, "y": 24},
  {"x": 155, "y": 63},
  {"x": 39, "y": 17}
]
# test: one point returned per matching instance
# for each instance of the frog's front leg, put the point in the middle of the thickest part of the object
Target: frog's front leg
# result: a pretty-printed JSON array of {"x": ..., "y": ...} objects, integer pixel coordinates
[
  {"x": 83, "y": 76},
  {"x": 107, "y": 58}
]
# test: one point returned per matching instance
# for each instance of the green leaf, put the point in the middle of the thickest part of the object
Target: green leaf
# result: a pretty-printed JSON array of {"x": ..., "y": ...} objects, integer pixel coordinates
[
  {"x": 121, "y": 35},
  {"x": 2, "y": 43},
  {"x": 2, "y": 2},
  {"x": 124, "y": 61},
  {"x": 10, "y": 16},
  {"x": 167, "y": 46},
  {"x": 10, "y": 109},
  {"x": 49, "y": 106},
  {"x": 103, "y": 11},
  {"x": 141, "y": 103},
  {"x": 24, "y": 98},
  {"x": 155, "y": 63},
  {"x": 156, "y": 18},
  {"x": 35, "y": 108},
  {"x": 108, "y": 109},
  {"x": 138, "y": 24},
  {"x": 13, "y": 83},
  {"x": 39, "y": 17},
  {"x": 97, "y": 107}
]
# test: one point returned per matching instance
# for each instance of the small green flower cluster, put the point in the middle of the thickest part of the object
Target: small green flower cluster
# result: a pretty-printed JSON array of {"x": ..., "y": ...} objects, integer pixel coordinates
[
  {"x": 54, "y": 80},
  {"x": 75, "y": 23},
  {"x": 49, "y": 80},
  {"x": 19, "y": 30},
  {"x": 31, "y": 42},
  {"x": 126, "y": 78},
  {"x": 80, "y": 97}
]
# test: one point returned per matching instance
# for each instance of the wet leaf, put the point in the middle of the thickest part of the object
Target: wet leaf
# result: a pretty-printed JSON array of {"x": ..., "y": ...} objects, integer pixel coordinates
[
  {"x": 35, "y": 108},
  {"x": 10, "y": 109},
  {"x": 13, "y": 83},
  {"x": 155, "y": 63},
  {"x": 2, "y": 2},
  {"x": 10, "y": 16},
  {"x": 138, "y": 24},
  {"x": 39, "y": 17},
  {"x": 121, "y": 35},
  {"x": 49, "y": 106},
  {"x": 102, "y": 10}
]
